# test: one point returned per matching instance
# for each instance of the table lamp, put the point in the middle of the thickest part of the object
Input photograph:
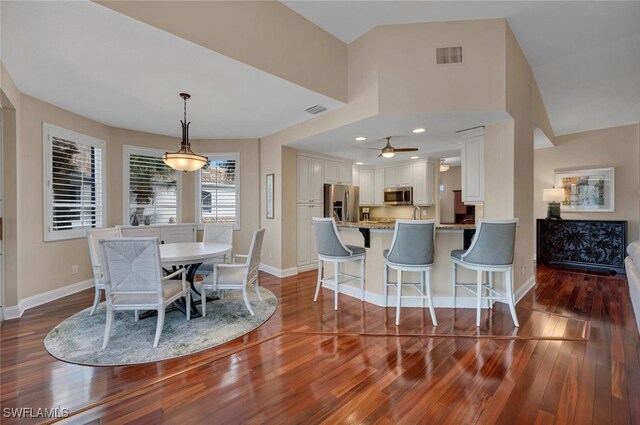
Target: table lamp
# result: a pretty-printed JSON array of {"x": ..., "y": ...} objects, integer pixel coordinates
[{"x": 553, "y": 197}]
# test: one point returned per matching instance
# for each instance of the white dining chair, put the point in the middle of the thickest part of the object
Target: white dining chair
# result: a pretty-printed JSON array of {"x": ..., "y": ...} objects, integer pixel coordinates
[
  {"x": 491, "y": 251},
  {"x": 134, "y": 281},
  {"x": 219, "y": 233},
  {"x": 237, "y": 275},
  {"x": 93, "y": 236}
]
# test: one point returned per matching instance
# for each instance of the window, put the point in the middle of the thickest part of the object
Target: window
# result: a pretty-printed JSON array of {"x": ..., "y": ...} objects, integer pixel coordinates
[
  {"x": 219, "y": 187},
  {"x": 74, "y": 183},
  {"x": 151, "y": 188}
]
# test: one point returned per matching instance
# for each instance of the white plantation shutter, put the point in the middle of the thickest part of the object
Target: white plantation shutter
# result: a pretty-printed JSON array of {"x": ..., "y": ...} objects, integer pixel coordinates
[
  {"x": 151, "y": 188},
  {"x": 75, "y": 179},
  {"x": 219, "y": 187}
]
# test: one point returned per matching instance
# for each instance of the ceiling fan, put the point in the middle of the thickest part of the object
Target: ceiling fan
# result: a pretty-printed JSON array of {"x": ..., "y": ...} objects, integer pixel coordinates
[{"x": 389, "y": 151}]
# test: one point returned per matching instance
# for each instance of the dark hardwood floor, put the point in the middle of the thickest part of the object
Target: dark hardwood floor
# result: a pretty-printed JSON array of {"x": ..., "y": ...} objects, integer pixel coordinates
[{"x": 574, "y": 360}]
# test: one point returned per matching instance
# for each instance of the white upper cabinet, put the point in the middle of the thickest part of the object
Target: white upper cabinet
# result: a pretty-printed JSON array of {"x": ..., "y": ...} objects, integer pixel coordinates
[
  {"x": 310, "y": 186},
  {"x": 346, "y": 173},
  {"x": 422, "y": 183},
  {"x": 390, "y": 177},
  {"x": 378, "y": 186},
  {"x": 404, "y": 175},
  {"x": 355, "y": 176},
  {"x": 337, "y": 172},
  {"x": 367, "y": 186},
  {"x": 472, "y": 149},
  {"x": 398, "y": 176}
]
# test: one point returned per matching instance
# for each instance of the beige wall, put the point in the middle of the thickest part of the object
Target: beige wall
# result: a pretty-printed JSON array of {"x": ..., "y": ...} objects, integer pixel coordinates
[
  {"x": 53, "y": 259},
  {"x": 264, "y": 34},
  {"x": 452, "y": 180},
  {"x": 617, "y": 147},
  {"x": 410, "y": 81},
  {"x": 10, "y": 100},
  {"x": 25, "y": 246}
]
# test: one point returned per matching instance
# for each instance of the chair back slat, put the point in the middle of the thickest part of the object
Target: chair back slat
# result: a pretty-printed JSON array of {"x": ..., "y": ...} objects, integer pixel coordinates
[
  {"x": 328, "y": 242},
  {"x": 493, "y": 243},
  {"x": 218, "y": 232},
  {"x": 255, "y": 252},
  {"x": 132, "y": 265},
  {"x": 413, "y": 242},
  {"x": 93, "y": 236}
]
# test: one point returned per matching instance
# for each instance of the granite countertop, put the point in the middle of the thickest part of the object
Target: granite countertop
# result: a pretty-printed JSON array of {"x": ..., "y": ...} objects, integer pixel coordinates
[{"x": 389, "y": 225}]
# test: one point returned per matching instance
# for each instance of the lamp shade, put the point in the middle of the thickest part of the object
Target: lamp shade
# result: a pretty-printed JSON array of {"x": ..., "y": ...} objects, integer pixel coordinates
[
  {"x": 553, "y": 195},
  {"x": 184, "y": 160}
]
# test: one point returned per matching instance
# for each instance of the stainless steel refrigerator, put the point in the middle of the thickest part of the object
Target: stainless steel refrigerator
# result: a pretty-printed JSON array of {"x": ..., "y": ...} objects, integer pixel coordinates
[{"x": 341, "y": 202}]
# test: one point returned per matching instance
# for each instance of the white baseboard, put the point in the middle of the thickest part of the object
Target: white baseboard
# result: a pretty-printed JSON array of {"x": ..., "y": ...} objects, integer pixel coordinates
[
  {"x": 439, "y": 302},
  {"x": 307, "y": 268},
  {"x": 525, "y": 288},
  {"x": 278, "y": 272},
  {"x": 378, "y": 299},
  {"x": 16, "y": 311}
]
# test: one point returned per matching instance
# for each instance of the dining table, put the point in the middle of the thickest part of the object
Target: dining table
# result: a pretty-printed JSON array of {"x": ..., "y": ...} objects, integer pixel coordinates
[{"x": 191, "y": 255}]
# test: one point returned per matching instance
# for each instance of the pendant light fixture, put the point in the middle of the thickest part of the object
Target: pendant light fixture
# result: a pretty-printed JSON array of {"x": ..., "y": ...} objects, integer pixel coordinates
[
  {"x": 444, "y": 166},
  {"x": 185, "y": 159}
]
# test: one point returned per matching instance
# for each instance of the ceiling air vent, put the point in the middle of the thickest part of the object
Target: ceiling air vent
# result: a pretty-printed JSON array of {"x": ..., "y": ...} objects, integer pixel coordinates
[
  {"x": 448, "y": 55},
  {"x": 316, "y": 109}
]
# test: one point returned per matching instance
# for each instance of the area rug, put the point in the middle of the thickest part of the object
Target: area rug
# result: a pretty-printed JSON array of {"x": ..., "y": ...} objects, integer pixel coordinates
[{"x": 78, "y": 339}]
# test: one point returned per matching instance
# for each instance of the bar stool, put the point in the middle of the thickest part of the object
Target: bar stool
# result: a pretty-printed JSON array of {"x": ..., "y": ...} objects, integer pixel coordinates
[
  {"x": 331, "y": 248},
  {"x": 412, "y": 250},
  {"x": 491, "y": 251}
]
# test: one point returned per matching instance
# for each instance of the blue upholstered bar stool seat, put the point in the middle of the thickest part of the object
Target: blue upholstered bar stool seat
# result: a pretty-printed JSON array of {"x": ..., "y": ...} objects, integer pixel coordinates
[
  {"x": 412, "y": 250},
  {"x": 331, "y": 248},
  {"x": 491, "y": 251}
]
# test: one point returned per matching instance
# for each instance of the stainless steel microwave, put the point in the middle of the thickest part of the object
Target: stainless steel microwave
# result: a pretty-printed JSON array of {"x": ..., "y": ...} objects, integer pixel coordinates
[{"x": 398, "y": 195}]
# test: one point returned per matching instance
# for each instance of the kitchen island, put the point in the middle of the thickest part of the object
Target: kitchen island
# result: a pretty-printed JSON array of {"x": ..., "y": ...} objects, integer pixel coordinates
[{"x": 448, "y": 238}]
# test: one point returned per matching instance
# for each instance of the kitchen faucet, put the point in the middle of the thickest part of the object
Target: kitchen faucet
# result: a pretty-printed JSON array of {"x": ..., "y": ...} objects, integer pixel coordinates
[{"x": 416, "y": 216}]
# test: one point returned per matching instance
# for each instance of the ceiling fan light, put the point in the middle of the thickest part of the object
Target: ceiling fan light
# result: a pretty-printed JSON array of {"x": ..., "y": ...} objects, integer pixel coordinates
[{"x": 388, "y": 154}]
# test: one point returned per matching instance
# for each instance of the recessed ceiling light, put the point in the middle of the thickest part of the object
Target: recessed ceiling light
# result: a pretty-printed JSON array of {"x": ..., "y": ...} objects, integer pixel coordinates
[
  {"x": 361, "y": 139},
  {"x": 358, "y": 163},
  {"x": 419, "y": 130},
  {"x": 415, "y": 157}
]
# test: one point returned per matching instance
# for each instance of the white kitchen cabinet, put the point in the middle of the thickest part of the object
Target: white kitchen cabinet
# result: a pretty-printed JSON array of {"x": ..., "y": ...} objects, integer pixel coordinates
[
  {"x": 397, "y": 176},
  {"x": 355, "y": 176},
  {"x": 310, "y": 186},
  {"x": 404, "y": 175},
  {"x": 391, "y": 177},
  {"x": 422, "y": 174},
  {"x": 307, "y": 254},
  {"x": 378, "y": 186},
  {"x": 337, "y": 172},
  {"x": 367, "y": 186},
  {"x": 346, "y": 173},
  {"x": 472, "y": 169},
  {"x": 170, "y": 233}
]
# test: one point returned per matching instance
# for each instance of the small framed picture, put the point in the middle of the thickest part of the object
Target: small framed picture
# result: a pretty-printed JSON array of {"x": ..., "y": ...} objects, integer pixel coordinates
[
  {"x": 587, "y": 190},
  {"x": 270, "y": 195}
]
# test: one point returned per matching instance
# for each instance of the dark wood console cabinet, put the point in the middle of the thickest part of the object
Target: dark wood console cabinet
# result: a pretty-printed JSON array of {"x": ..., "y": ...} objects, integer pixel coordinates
[{"x": 588, "y": 244}]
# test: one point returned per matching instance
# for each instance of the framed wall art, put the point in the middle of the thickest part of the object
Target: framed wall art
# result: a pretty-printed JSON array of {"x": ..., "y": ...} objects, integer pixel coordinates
[
  {"x": 270, "y": 195},
  {"x": 587, "y": 190}
]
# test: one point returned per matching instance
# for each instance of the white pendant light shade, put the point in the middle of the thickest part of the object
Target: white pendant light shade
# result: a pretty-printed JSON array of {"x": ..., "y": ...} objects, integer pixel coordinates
[
  {"x": 185, "y": 159},
  {"x": 444, "y": 166}
]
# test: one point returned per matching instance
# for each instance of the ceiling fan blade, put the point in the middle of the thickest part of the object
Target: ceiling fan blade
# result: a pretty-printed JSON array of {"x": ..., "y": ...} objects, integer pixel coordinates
[
  {"x": 375, "y": 149},
  {"x": 406, "y": 149},
  {"x": 379, "y": 155}
]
